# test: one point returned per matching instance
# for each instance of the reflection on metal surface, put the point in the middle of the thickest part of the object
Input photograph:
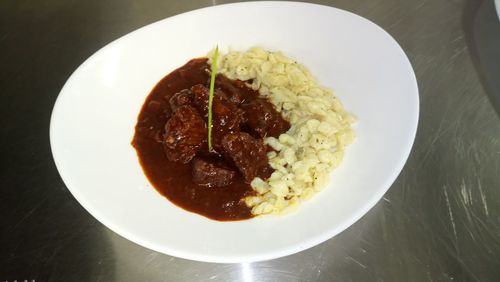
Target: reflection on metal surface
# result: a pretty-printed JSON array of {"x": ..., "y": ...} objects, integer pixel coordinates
[
  {"x": 246, "y": 272},
  {"x": 440, "y": 221}
]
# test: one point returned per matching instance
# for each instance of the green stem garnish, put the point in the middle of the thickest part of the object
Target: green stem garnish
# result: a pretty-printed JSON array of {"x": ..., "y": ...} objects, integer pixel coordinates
[{"x": 211, "y": 97}]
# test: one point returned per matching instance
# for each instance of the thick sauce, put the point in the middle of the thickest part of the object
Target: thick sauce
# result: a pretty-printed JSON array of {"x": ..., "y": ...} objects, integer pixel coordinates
[{"x": 174, "y": 179}]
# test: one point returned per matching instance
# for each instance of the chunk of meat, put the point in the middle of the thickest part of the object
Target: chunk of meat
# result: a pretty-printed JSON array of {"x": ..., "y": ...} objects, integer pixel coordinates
[
  {"x": 248, "y": 154},
  {"x": 185, "y": 133},
  {"x": 182, "y": 98},
  {"x": 200, "y": 98},
  {"x": 227, "y": 117},
  {"x": 268, "y": 121},
  {"x": 194, "y": 73},
  {"x": 230, "y": 89},
  {"x": 211, "y": 174}
]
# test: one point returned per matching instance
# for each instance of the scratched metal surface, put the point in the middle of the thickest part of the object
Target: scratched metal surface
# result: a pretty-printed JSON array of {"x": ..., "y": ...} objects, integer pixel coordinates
[{"x": 440, "y": 221}]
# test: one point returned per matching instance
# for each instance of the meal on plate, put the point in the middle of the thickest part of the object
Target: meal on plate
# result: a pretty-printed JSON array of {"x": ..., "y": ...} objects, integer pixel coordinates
[{"x": 256, "y": 137}]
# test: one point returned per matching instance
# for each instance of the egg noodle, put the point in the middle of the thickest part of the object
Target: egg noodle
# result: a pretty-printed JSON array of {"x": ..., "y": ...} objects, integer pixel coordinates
[{"x": 320, "y": 129}]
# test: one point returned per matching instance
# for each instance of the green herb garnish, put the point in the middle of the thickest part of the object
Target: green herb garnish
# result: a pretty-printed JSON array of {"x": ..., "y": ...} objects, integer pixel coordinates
[{"x": 211, "y": 97}]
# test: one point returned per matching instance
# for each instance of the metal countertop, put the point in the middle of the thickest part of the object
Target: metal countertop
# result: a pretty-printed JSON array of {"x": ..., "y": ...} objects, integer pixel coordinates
[{"x": 440, "y": 221}]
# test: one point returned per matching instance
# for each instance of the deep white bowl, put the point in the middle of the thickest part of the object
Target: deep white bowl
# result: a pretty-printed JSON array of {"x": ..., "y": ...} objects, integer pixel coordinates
[{"x": 94, "y": 117}]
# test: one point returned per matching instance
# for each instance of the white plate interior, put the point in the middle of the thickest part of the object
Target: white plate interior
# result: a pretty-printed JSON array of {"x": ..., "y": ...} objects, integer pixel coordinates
[{"x": 94, "y": 117}]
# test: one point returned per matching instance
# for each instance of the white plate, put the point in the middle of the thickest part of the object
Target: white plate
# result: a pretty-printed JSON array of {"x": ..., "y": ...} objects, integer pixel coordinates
[{"x": 94, "y": 117}]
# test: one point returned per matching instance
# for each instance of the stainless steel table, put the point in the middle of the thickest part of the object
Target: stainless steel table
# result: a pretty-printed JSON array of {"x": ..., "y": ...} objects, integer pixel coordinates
[{"x": 440, "y": 221}]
